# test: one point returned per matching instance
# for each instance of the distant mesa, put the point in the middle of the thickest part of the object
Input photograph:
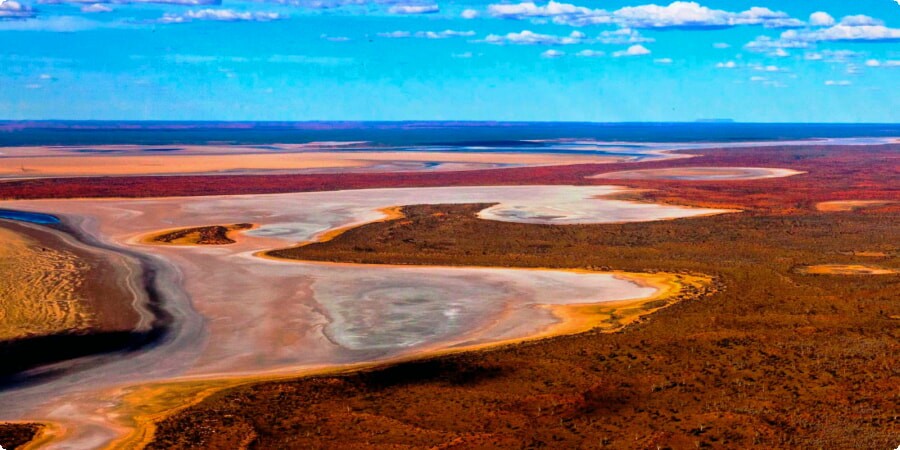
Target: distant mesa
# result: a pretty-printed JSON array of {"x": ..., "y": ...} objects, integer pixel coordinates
[
  {"x": 850, "y": 205},
  {"x": 844, "y": 269},
  {"x": 700, "y": 174},
  {"x": 205, "y": 235}
]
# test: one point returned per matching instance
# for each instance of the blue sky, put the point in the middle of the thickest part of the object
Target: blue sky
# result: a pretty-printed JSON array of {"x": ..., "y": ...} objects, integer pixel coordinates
[{"x": 594, "y": 60}]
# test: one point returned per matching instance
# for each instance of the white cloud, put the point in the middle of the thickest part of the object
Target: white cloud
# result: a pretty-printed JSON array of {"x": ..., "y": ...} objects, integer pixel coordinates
[
  {"x": 527, "y": 37},
  {"x": 726, "y": 65},
  {"x": 395, "y": 34},
  {"x": 758, "y": 79},
  {"x": 721, "y": 45},
  {"x": 848, "y": 33},
  {"x": 222, "y": 15},
  {"x": 837, "y": 83},
  {"x": 588, "y": 53},
  {"x": 469, "y": 14},
  {"x": 663, "y": 61},
  {"x": 10, "y": 9},
  {"x": 634, "y": 50},
  {"x": 682, "y": 14},
  {"x": 530, "y": 9},
  {"x": 162, "y": 2},
  {"x": 177, "y": 2},
  {"x": 821, "y": 19},
  {"x": 443, "y": 34},
  {"x": 768, "y": 44},
  {"x": 321, "y": 4},
  {"x": 623, "y": 36},
  {"x": 59, "y": 24},
  {"x": 552, "y": 54},
  {"x": 877, "y": 63},
  {"x": 427, "y": 34},
  {"x": 779, "y": 53},
  {"x": 765, "y": 68},
  {"x": 96, "y": 8},
  {"x": 833, "y": 56},
  {"x": 414, "y": 9},
  {"x": 860, "y": 20},
  {"x": 678, "y": 14},
  {"x": 334, "y": 38},
  {"x": 464, "y": 55},
  {"x": 837, "y": 33}
]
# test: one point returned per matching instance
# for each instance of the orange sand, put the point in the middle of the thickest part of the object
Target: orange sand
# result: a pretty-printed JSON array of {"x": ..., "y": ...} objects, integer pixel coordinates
[
  {"x": 81, "y": 165},
  {"x": 844, "y": 269},
  {"x": 38, "y": 288},
  {"x": 850, "y": 205}
]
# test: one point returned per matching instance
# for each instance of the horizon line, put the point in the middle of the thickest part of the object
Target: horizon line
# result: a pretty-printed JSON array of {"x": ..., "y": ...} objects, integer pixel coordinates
[{"x": 434, "y": 121}]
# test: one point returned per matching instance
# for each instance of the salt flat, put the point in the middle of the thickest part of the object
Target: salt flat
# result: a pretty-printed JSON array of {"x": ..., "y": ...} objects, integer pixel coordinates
[{"x": 237, "y": 313}]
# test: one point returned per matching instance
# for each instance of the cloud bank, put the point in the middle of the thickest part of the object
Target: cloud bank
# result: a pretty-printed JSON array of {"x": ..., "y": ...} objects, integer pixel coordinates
[
  {"x": 11, "y": 10},
  {"x": 414, "y": 9},
  {"x": 427, "y": 34},
  {"x": 220, "y": 15},
  {"x": 527, "y": 37},
  {"x": 679, "y": 14}
]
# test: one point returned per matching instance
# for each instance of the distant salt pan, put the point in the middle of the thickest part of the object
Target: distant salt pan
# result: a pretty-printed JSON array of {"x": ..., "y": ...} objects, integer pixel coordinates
[{"x": 700, "y": 174}]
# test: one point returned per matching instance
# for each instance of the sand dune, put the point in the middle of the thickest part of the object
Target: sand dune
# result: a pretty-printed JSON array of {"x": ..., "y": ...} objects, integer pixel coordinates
[{"x": 39, "y": 288}]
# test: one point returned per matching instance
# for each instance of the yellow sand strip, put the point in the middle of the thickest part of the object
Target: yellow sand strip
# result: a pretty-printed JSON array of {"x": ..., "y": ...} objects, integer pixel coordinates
[
  {"x": 850, "y": 205},
  {"x": 844, "y": 269}
]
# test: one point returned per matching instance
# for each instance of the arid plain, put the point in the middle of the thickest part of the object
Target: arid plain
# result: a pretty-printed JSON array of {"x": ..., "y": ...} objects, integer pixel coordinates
[{"x": 408, "y": 324}]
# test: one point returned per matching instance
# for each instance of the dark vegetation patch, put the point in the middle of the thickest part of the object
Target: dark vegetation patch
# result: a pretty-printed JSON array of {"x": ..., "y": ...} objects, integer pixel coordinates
[
  {"x": 16, "y": 435},
  {"x": 206, "y": 235}
]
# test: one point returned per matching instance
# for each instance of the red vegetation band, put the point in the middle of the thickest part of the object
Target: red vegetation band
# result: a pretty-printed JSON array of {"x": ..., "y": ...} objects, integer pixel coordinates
[{"x": 834, "y": 173}]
